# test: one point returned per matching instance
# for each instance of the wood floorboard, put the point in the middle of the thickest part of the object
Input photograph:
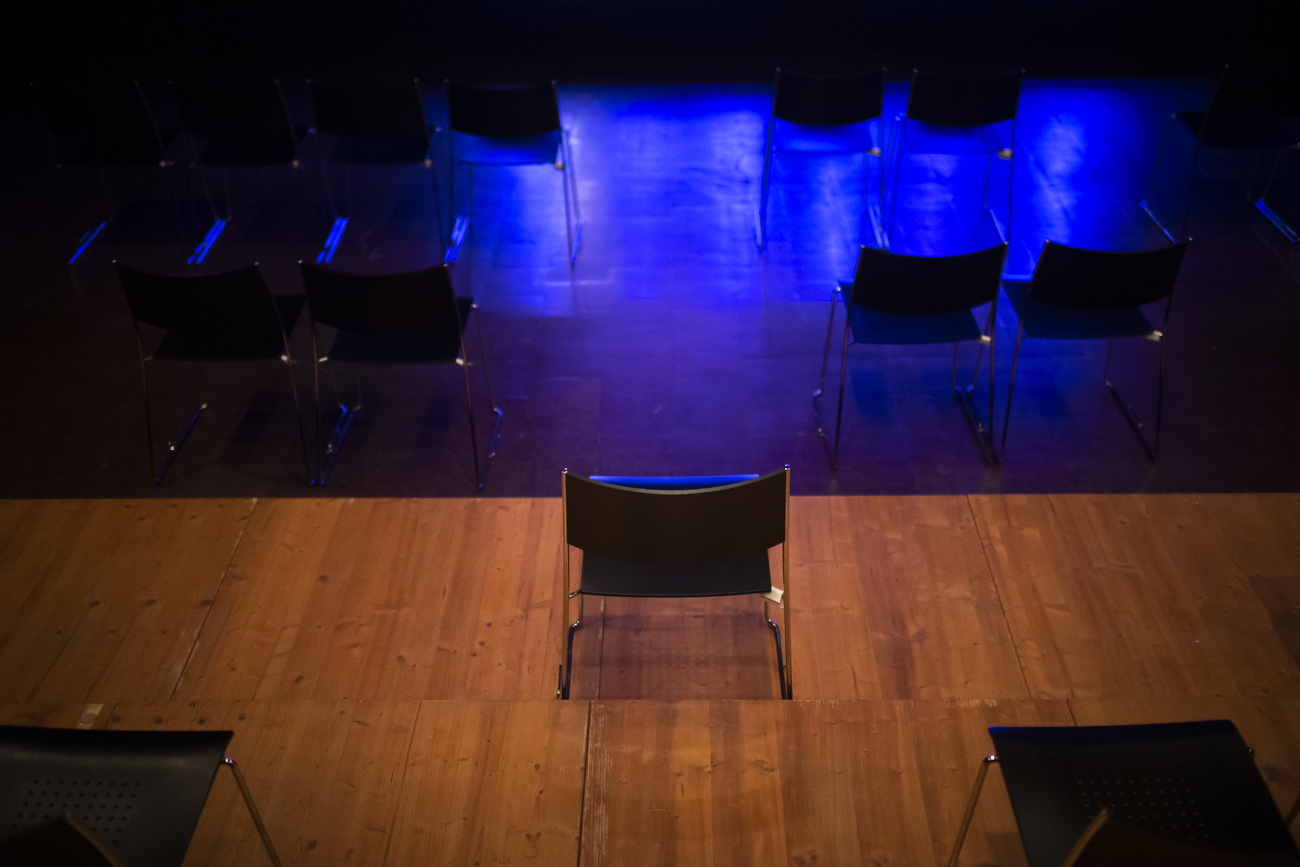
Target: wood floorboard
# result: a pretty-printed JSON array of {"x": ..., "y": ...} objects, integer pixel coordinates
[{"x": 387, "y": 668}]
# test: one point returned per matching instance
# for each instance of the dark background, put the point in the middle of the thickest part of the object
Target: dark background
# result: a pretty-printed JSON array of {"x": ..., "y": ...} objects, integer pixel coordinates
[{"x": 642, "y": 40}]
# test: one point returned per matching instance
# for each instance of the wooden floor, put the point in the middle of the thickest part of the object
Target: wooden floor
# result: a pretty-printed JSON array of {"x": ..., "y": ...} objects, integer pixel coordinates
[{"x": 388, "y": 668}]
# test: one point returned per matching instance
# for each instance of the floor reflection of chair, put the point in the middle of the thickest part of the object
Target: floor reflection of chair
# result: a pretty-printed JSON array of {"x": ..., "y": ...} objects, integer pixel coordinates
[
  {"x": 1078, "y": 294},
  {"x": 959, "y": 115},
  {"x": 209, "y": 318},
  {"x": 908, "y": 300},
  {"x": 676, "y": 537},
  {"x": 233, "y": 124},
  {"x": 391, "y": 319},
  {"x": 510, "y": 126},
  {"x": 1193, "y": 783},
  {"x": 821, "y": 115},
  {"x": 102, "y": 125},
  {"x": 139, "y": 793},
  {"x": 369, "y": 122},
  {"x": 1248, "y": 111}
]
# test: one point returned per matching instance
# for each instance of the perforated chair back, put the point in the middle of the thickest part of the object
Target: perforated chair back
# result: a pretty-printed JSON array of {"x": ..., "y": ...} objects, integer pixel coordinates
[
  {"x": 229, "y": 315},
  {"x": 517, "y": 111},
  {"x": 827, "y": 100},
  {"x": 926, "y": 285},
  {"x": 963, "y": 101},
  {"x": 666, "y": 527},
  {"x": 1112, "y": 842},
  {"x": 245, "y": 120},
  {"x": 141, "y": 793},
  {"x": 1195, "y": 782},
  {"x": 1098, "y": 280},
  {"x": 409, "y": 303}
]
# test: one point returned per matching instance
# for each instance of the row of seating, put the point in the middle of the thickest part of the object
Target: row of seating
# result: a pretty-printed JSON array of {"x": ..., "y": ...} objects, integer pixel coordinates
[
  {"x": 1186, "y": 794},
  {"x": 368, "y": 122}
]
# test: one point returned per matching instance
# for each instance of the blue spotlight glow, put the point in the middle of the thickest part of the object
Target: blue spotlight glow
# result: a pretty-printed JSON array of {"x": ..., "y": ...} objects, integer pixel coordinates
[
  {"x": 86, "y": 239},
  {"x": 205, "y": 245},
  {"x": 332, "y": 242}
]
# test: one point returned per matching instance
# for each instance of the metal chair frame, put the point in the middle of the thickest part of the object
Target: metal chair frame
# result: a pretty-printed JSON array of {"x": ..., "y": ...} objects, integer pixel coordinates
[
  {"x": 982, "y": 430},
  {"x": 826, "y": 83},
  {"x": 676, "y": 486},
  {"x": 569, "y": 183}
]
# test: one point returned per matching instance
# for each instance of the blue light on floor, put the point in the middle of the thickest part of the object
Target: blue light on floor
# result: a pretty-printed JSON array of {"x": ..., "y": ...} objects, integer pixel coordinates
[
  {"x": 332, "y": 242},
  {"x": 86, "y": 239},
  {"x": 205, "y": 245}
]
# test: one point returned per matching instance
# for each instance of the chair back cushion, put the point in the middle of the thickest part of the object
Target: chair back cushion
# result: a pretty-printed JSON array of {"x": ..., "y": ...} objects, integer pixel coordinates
[
  {"x": 926, "y": 285},
  {"x": 519, "y": 111},
  {"x": 963, "y": 101},
  {"x": 1099, "y": 280},
  {"x": 676, "y": 527},
  {"x": 827, "y": 100},
  {"x": 404, "y": 304},
  {"x": 141, "y": 792}
]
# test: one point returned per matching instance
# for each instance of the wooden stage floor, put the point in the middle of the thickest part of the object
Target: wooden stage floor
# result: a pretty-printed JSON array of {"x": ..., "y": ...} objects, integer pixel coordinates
[{"x": 388, "y": 667}]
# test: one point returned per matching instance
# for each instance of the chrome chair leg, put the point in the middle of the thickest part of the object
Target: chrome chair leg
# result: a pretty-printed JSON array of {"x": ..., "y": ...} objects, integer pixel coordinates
[
  {"x": 1011, "y": 388},
  {"x": 252, "y": 810},
  {"x": 821, "y": 382},
  {"x": 970, "y": 808}
]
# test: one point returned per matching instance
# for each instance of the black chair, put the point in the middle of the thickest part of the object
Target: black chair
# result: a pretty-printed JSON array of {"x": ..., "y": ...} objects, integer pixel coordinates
[
  {"x": 102, "y": 125},
  {"x": 1247, "y": 111},
  {"x": 960, "y": 115},
  {"x": 1111, "y": 842},
  {"x": 233, "y": 122},
  {"x": 139, "y": 792},
  {"x": 510, "y": 126},
  {"x": 821, "y": 115},
  {"x": 1194, "y": 782},
  {"x": 370, "y": 122},
  {"x": 230, "y": 316},
  {"x": 408, "y": 318},
  {"x": 64, "y": 841},
  {"x": 908, "y": 300},
  {"x": 1078, "y": 294},
  {"x": 677, "y": 536}
]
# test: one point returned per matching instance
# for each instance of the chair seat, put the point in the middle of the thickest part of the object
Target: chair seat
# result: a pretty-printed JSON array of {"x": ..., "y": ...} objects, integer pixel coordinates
[
  {"x": 927, "y": 138},
  {"x": 804, "y": 138},
  {"x": 1245, "y": 132},
  {"x": 401, "y": 148},
  {"x": 531, "y": 150},
  {"x": 1057, "y": 322},
  {"x": 249, "y": 344},
  {"x": 875, "y": 327},
  {"x": 605, "y": 576}
]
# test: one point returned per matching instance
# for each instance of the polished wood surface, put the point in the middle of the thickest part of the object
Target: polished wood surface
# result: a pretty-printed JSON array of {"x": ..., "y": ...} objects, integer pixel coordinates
[{"x": 388, "y": 668}]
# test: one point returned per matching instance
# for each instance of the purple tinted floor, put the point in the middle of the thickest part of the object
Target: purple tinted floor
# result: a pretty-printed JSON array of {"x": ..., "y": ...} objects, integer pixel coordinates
[{"x": 674, "y": 346}]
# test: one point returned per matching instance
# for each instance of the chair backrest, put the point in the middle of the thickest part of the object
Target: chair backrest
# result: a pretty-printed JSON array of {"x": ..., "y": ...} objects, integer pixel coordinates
[
  {"x": 827, "y": 100},
  {"x": 517, "y": 111},
  {"x": 1193, "y": 781},
  {"x": 1099, "y": 280},
  {"x": 368, "y": 106},
  {"x": 110, "y": 117},
  {"x": 1111, "y": 842},
  {"x": 230, "y": 302},
  {"x": 141, "y": 793},
  {"x": 926, "y": 285},
  {"x": 963, "y": 101},
  {"x": 663, "y": 525},
  {"x": 62, "y": 842},
  {"x": 246, "y": 115},
  {"x": 407, "y": 303}
]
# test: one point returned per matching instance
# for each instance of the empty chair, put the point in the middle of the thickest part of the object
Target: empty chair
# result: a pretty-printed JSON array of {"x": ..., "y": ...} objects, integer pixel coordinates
[
  {"x": 510, "y": 126},
  {"x": 231, "y": 123},
  {"x": 1246, "y": 112},
  {"x": 1078, "y": 294},
  {"x": 102, "y": 125},
  {"x": 1193, "y": 782},
  {"x": 1112, "y": 842},
  {"x": 896, "y": 299},
  {"x": 960, "y": 115},
  {"x": 821, "y": 115},
  {"x": 391, "y": 319},
  {"x": 138, "y": 794},
  {"x": 370, "y": 122},
  {"x": 677, "y": 536},
  {"x": 209, "y": 318}
]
